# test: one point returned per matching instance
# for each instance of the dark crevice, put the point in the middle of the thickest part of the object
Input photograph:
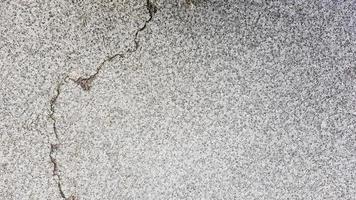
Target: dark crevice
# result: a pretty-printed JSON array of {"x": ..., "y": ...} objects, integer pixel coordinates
[
  {"x": 86, "y": 82},
  {"x": 55, "y": 172},
  {"x": 152, "y": 10},
  {"x": 61, "y": 191},
  {"x": 54, "y": 147},
  {"x": 52, "y": 109}
]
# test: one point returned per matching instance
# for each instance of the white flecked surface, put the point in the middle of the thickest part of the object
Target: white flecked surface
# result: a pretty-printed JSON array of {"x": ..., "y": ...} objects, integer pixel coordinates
[{"x": 218, "y": 100}]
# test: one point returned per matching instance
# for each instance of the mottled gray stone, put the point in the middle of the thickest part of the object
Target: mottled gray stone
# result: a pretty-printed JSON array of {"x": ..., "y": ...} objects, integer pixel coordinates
[{"x": 214, "y": 100}]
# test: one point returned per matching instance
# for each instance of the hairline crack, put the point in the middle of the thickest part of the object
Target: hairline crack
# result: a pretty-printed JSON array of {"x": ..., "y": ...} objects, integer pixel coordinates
[
  {"x": 86, "y": 82},
  {"x": 55, "y": 146}
]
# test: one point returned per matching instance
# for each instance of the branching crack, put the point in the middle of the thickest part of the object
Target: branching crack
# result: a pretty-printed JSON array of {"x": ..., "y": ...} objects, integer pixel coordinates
[{"x": 86, "y": 82}]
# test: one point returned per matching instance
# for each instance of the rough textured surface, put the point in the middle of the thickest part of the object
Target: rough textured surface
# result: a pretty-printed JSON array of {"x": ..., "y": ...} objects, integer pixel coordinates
[{"x": 177, "y": 99}]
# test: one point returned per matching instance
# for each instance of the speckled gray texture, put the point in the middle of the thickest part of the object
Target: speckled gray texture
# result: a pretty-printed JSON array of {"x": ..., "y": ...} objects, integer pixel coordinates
[{"x": 213, "y": 100}]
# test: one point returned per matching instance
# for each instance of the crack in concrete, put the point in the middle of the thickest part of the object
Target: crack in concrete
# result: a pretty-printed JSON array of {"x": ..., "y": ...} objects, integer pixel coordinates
[
  {"x": 52, "y": 109},
  {"x": 54, "y": 147},
  {"x": 152, "y": 10},
  {"x": 55, "y": 172},
  {"x": 86, "y": 83}
]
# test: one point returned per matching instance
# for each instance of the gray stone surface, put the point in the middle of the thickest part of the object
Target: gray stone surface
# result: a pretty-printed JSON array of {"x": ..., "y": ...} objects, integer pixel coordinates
[{"x": 213, "y": 100}]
